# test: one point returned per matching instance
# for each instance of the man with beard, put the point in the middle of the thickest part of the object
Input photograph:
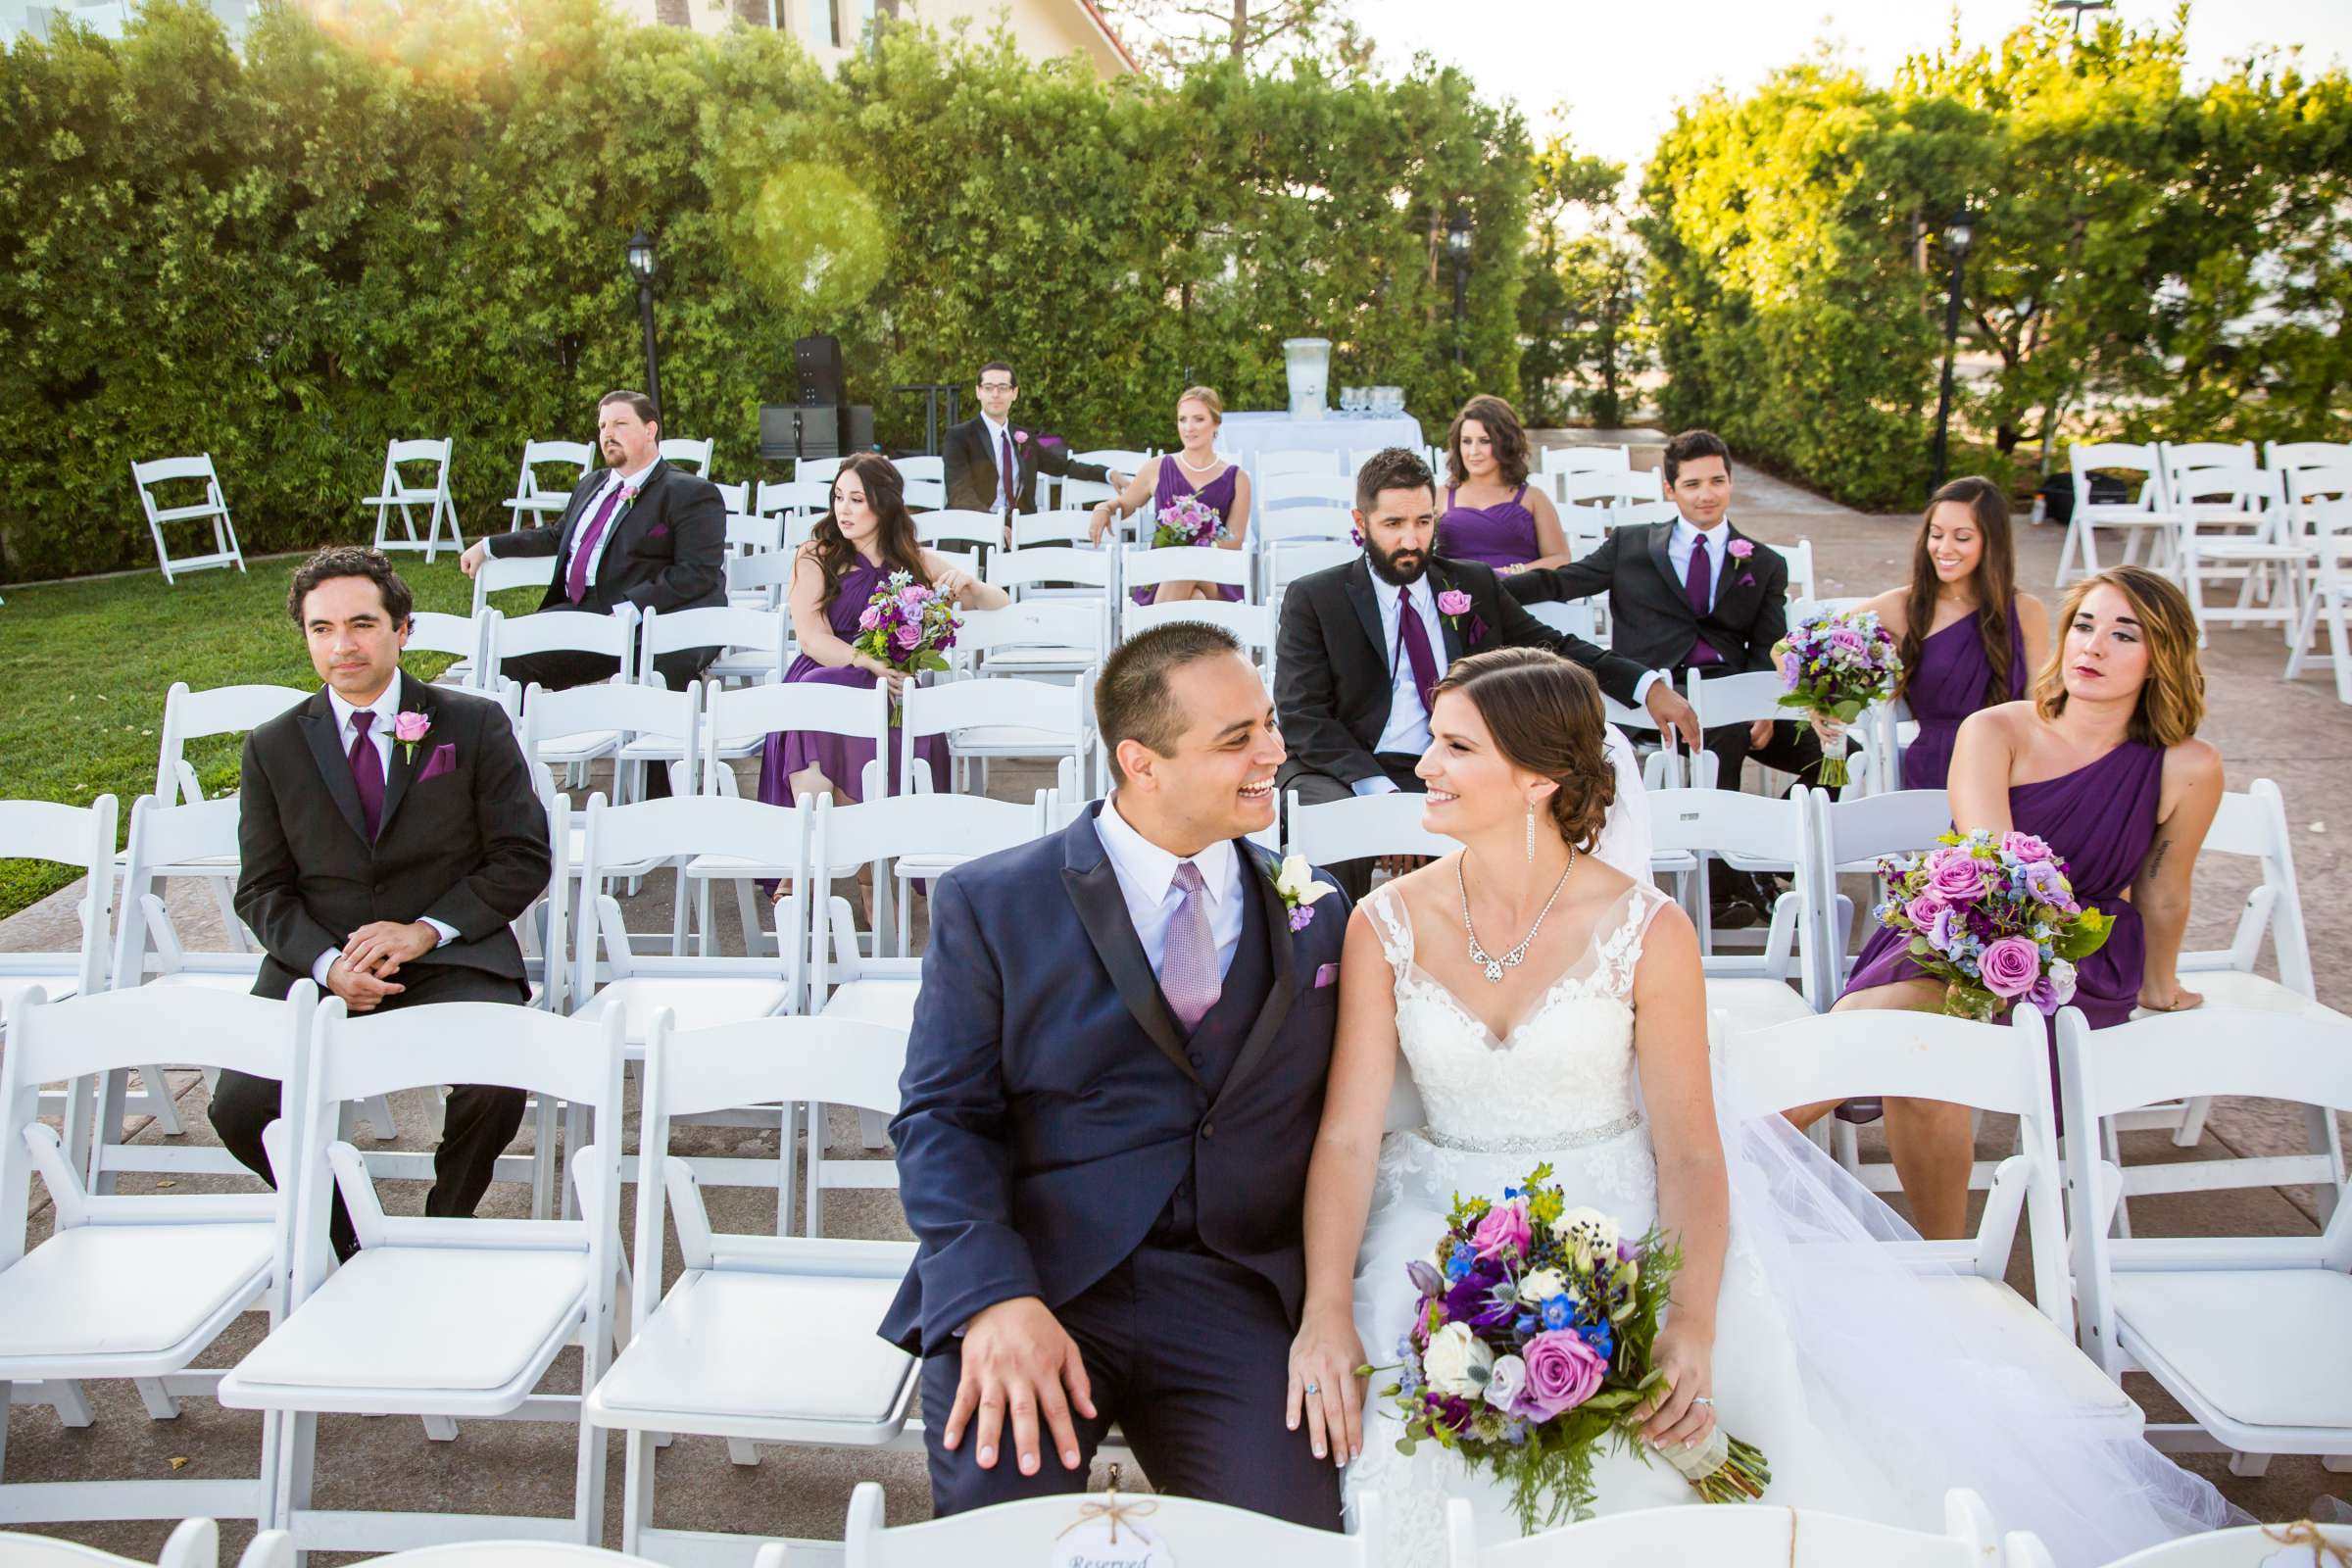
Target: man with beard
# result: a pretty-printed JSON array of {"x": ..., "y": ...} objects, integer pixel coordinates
[{"x": 1360, "y": 646}]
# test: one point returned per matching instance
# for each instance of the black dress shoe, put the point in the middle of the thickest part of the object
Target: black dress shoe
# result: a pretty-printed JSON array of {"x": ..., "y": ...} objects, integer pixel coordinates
[{"x": 1734, "y": 913}]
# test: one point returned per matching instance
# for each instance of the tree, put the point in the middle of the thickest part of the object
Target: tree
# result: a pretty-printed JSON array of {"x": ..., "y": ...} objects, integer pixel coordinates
[
  {"x": 1254, "y": 34},
  {"x": 1580, "y": 313}
]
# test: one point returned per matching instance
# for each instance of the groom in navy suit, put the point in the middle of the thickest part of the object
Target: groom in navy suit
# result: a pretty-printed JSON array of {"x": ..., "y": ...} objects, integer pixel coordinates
[{"x": 1112, "y": 1085}]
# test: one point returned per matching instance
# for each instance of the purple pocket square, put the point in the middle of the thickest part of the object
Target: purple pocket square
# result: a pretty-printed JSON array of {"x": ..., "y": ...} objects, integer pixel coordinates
[
  {"x": 443, "y": 760},
  {"x": 659, "y": 530},
  {"x": 1327, "y": 975}
]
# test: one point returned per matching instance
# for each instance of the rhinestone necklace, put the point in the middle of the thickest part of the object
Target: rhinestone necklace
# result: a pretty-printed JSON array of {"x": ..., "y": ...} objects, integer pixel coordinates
[{"x": 1495, "y": 965}]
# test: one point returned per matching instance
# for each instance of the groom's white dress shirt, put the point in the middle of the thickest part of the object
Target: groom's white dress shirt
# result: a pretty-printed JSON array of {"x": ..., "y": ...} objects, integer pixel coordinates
[
  {"x": 386, "y": 708},
  {"x": 1146, "y": 876}
]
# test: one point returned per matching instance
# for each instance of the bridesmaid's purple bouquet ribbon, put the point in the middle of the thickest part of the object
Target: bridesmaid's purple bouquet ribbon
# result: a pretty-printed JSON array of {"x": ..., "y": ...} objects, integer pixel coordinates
[
  {"x": 1187, "y": 520},
  {"x": 1835, "y": 666},
  {"x": 1531, "y": 1346},
  {"x": 1995, "y": 917},
  {"x": 908, "y": 625}
]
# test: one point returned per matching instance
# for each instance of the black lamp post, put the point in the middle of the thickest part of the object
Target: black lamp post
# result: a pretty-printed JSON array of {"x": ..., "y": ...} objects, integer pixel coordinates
[
  {"x": 1958, "y": 235},
  {"x": 2077, "y": 7},
  {"x": 641, "y": 266},
  {"x": 1457, "y": 241}
]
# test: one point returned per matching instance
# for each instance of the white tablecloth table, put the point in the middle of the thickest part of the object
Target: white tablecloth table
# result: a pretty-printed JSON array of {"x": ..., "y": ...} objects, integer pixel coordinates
[{"x": 1244, "y": 435}]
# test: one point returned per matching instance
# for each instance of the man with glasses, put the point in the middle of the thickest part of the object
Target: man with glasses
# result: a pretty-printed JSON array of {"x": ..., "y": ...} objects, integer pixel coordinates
[{"x": 992, "y": 463}]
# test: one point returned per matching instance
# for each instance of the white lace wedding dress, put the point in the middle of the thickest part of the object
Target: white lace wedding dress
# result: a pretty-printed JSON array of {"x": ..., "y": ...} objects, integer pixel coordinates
[{"x": 1867, "y": 1396}]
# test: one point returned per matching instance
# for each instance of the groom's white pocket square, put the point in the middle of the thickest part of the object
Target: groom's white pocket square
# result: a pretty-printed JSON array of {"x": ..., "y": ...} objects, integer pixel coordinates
[{"x": 1326, "y": 975}]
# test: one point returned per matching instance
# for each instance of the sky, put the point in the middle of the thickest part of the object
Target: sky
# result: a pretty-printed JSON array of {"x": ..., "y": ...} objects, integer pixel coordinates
[{"x": 1611, "y": 74}]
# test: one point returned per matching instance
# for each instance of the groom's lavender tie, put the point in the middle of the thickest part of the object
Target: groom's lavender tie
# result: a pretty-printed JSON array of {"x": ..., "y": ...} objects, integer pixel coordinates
[
  {"x": 583, "y": 549},
  {"x": 367, "y": 772},
  {"x": 1188, "y": 967}
]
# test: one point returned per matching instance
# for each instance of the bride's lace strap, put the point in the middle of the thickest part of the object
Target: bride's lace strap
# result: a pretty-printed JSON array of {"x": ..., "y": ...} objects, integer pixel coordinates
[
  {"x": 1617, "y": 957},
  {"x": 1393, "y": 927}
]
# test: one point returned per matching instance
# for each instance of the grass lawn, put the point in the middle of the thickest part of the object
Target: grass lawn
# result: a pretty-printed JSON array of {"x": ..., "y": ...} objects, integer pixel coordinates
[{"x": 84, "y": 667}]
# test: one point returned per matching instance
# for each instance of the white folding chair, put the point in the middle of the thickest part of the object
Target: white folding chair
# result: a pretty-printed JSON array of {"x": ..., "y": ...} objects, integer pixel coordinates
[
  {"x": 1602, "y": 489},
  {"x": 2146, "y": 516},
  {"x": 82, "y": 836},
  {"x": 1059, "y": 621},
  {"x": 926, "y": 494},
  {"x": 922, "y": 466},
  {"x": 1575, "y": 617},
  {"x": 1070, "y": 529},
  {"x": 1252, "y": 624},
  {"x": 1361, "y": 828},
  {"x": 2322, "y": 500},
  {"x": 685, "y": 451},
  {"x": 498, "y": 574},
  {"x": 1054, "y": 493},
  {"x": 986, "y": 716},
  {"x": 629, "y": 725},
  {"x": 430, "y": 631},
  {"x": 751, "y": 642},
  {"x": 1640, "y": 514},
  {"x": 1016, "y": 1535},
  {"x": 1142, "y": 567},
  {"x": 213, "y": 509},
  {"x": 441, "y": 1318},
  {"x": 1322, "y": 489},
  {"x": 190, "y": 716},
  {"x": 1586, "y": 459},
  {"x": 2291, "y": 458},
  {"x": 706, "y": 1357},
  {"x": 193, "y": 1544},
  {"x": 2234, "y": 522},
  {"x": 394, "y": 493},
  {"x": 972, "y": 533},
  {"x": 760, "y": 581},
  {"x": 2227, "y": 1326},
  {"x": 1742, "y": 698},
  {"x": 751, "y": 535},
  {"x": 1268, "y": 467},
  {"x": 789, "y": 496},
  {"x": 1799, "y": 558},
  {"x": 611, "y": 635},
  {"x": 138, "y": 1288},
  {"x": 534, "y": 504},
  {"x": 736, "y": 498},
  {"x": 1855, "y": 834},
  {"x": 1754, "y": 1533},
  {"x": 1754, "y": 833},
  {"x": 2247, "y": 1546},
  {"x": 1298, "y": 559}
]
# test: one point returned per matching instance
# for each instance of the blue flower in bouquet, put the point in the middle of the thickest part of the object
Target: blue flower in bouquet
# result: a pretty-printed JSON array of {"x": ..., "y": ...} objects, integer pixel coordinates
[
  {"x": 1599, "y": 1337},
  {"x": 1558, "y": 1312},
  {"x": 1462, "y": 1260}
]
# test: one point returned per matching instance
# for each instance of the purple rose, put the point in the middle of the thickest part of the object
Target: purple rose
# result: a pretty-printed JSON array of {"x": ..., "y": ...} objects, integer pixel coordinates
[
  {"x": 2044, "y": 995},
  {"x": 1453, "y": 602},
  {"x": 2009, "y": 966},
  {"x": 1504, "y": 1229},
  {"x": 1954, "y": 877},
  {"x": 1792, "y": 670},
  {"x": 2024, "y": 847},
  {"x": 1741, "y": 549},
  {"x": 1940, "y": 932},
  {"x": 1562, "y": 1373},
  {"x": 1921, "y": 912},
  {"x": 909, "y": 637},
  {"x": 868, "y": 619}
]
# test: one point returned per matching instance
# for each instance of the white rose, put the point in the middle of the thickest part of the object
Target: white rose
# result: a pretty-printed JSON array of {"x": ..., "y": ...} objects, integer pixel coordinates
[
  {"x": 1590, "y": 1231},
  {"x": 1542, "y": 1286},
  {"x": 1505, "y": 1382},
  {"x": 1296, "y": 881},
  {"x": 1453, "y": 1355}
]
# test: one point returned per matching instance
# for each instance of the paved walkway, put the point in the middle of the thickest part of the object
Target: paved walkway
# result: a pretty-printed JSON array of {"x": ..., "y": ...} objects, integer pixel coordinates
[{"x": 2296, "y": 735}]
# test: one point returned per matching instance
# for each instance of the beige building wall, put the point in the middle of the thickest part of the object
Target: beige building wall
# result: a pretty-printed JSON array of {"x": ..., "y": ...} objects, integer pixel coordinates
[{"x": 1041, "y": 29}]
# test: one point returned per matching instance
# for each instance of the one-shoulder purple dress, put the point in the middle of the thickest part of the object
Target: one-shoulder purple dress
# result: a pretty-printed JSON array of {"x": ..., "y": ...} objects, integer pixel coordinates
[
  {"x": 2099, "y": 821},
  {"x": 1948, "y": 686},
  {"x": 1498, "y": 536},
  {"x": 789, "y": 752},
  {"x": 1216, "y": 496}
]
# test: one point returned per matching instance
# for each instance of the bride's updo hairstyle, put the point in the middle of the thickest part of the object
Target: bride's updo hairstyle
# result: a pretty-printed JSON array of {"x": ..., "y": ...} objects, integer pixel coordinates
[{"x": 1545, "y": 717}]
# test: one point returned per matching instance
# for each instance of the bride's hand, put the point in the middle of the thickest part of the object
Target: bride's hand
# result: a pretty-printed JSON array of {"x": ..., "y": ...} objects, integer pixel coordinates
[
  {"x": 1324, "y": 1357},
  {"x": 1686, "y": 1353}
]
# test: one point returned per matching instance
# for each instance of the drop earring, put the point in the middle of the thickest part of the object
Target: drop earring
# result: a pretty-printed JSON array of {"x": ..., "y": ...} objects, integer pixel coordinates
[{"x": 1531, "y": 835}]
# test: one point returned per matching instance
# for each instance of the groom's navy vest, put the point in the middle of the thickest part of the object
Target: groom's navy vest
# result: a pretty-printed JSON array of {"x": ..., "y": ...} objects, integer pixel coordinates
[{"x": 1053, "y": 1116}]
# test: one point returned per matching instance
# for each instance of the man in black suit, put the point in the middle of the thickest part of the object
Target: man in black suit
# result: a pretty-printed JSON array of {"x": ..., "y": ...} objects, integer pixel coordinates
[
  {"x": 387, "y": 832},
  {"x": 1696, "y": 594},
  {"x": 982, "y": 450},
  {"x": 636, "y": 531},
  {"x": 1360, "y": 646}
]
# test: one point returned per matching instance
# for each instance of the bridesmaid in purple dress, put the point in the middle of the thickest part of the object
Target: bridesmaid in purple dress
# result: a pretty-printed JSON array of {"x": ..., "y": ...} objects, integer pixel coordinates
[
  {"x": 1958, "y": 620},
  {"x": 1491, "y": 514},
  {"x": 866, "y": 536},
  {"x": 1193, "y": 468},
  {"x": 2103, "y": 765}
]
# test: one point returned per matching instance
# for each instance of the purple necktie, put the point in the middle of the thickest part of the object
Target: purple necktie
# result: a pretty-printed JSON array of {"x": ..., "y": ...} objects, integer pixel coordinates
[
  {"x": 583, "y": 549},
  {"x": 1187, "y": 964},
  {"x": 367, "y": 772},
  {"x": 1701, "y": 587},
  {"x": 1416, "y": 637},
  {"x": 1012, "y": 473}
]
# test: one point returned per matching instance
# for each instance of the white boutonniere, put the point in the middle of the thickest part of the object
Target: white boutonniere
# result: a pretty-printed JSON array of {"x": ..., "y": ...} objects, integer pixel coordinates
[{"x": 1295, "y": 882}]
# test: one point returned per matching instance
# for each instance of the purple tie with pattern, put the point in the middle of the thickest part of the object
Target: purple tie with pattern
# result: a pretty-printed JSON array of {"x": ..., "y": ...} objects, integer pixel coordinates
[
  {"x": 1008, "y": 472},
  {"x": 1187, "y": 964},
  {"x": 583, "y": 549},
  {"x": 1417, "y": 651},
  {"x": 1700, "y": 586},
  {"x": 366, "y": 771}
]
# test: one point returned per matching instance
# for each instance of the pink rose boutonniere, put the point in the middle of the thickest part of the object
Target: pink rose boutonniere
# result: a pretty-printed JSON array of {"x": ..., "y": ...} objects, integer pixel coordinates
[
  {"x": 1454, "y": 603},
  {"x": 1021, "y": 438},
  {"x": 409, "y": 728},
  {"x": 1741, "y": 549}
]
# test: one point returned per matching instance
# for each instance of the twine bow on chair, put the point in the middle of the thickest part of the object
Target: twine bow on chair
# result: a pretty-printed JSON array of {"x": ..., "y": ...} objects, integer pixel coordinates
[
  {"x": 2303, "y": 1533},
  {"x": 1114, "y": 1508}
]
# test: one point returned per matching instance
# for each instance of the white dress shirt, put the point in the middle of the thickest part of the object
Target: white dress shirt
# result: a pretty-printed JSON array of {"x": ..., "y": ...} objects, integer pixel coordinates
[
  {"x": 630, "y": 482},
  {"x": 1407, "y": 729},
  {"x": 1146, "y": 876},
  {"x": 386, "y": 708}
]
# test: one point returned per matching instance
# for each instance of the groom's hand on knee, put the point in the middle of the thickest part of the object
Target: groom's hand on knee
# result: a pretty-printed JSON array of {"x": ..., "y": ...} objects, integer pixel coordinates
[{"x": 1018, "y": 1362}]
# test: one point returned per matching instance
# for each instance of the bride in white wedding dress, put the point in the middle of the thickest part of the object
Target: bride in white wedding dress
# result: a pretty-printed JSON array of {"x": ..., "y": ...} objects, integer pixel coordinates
[{"x": 1550, "y": 1009}]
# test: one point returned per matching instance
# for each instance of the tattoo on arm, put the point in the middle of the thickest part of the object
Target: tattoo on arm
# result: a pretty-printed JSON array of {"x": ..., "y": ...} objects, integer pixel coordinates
[{"x": 2156, "y": 857}]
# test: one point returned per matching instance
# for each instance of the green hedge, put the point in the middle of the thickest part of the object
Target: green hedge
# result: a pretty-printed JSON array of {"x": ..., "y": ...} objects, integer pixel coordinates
[
  {"x": 2151, "y": 260},
  {"x": 411, "y": 223}
]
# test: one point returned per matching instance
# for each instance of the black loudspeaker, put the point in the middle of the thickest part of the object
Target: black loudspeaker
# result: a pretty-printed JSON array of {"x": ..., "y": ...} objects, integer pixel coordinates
[
  {"x": 816, "y": 362},
  {"x": 787, "y": 430}
]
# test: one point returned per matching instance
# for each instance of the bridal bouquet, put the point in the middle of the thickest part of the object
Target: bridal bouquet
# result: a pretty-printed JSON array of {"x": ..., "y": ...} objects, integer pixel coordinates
[
  {"x": 1531, "y": 1346},
  {"x": 1835, "y": 666},
  {"x": 1187, "y": 520},
  {"x": 1995, "y": 919},
  {"x": 908, "y": 625}
]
